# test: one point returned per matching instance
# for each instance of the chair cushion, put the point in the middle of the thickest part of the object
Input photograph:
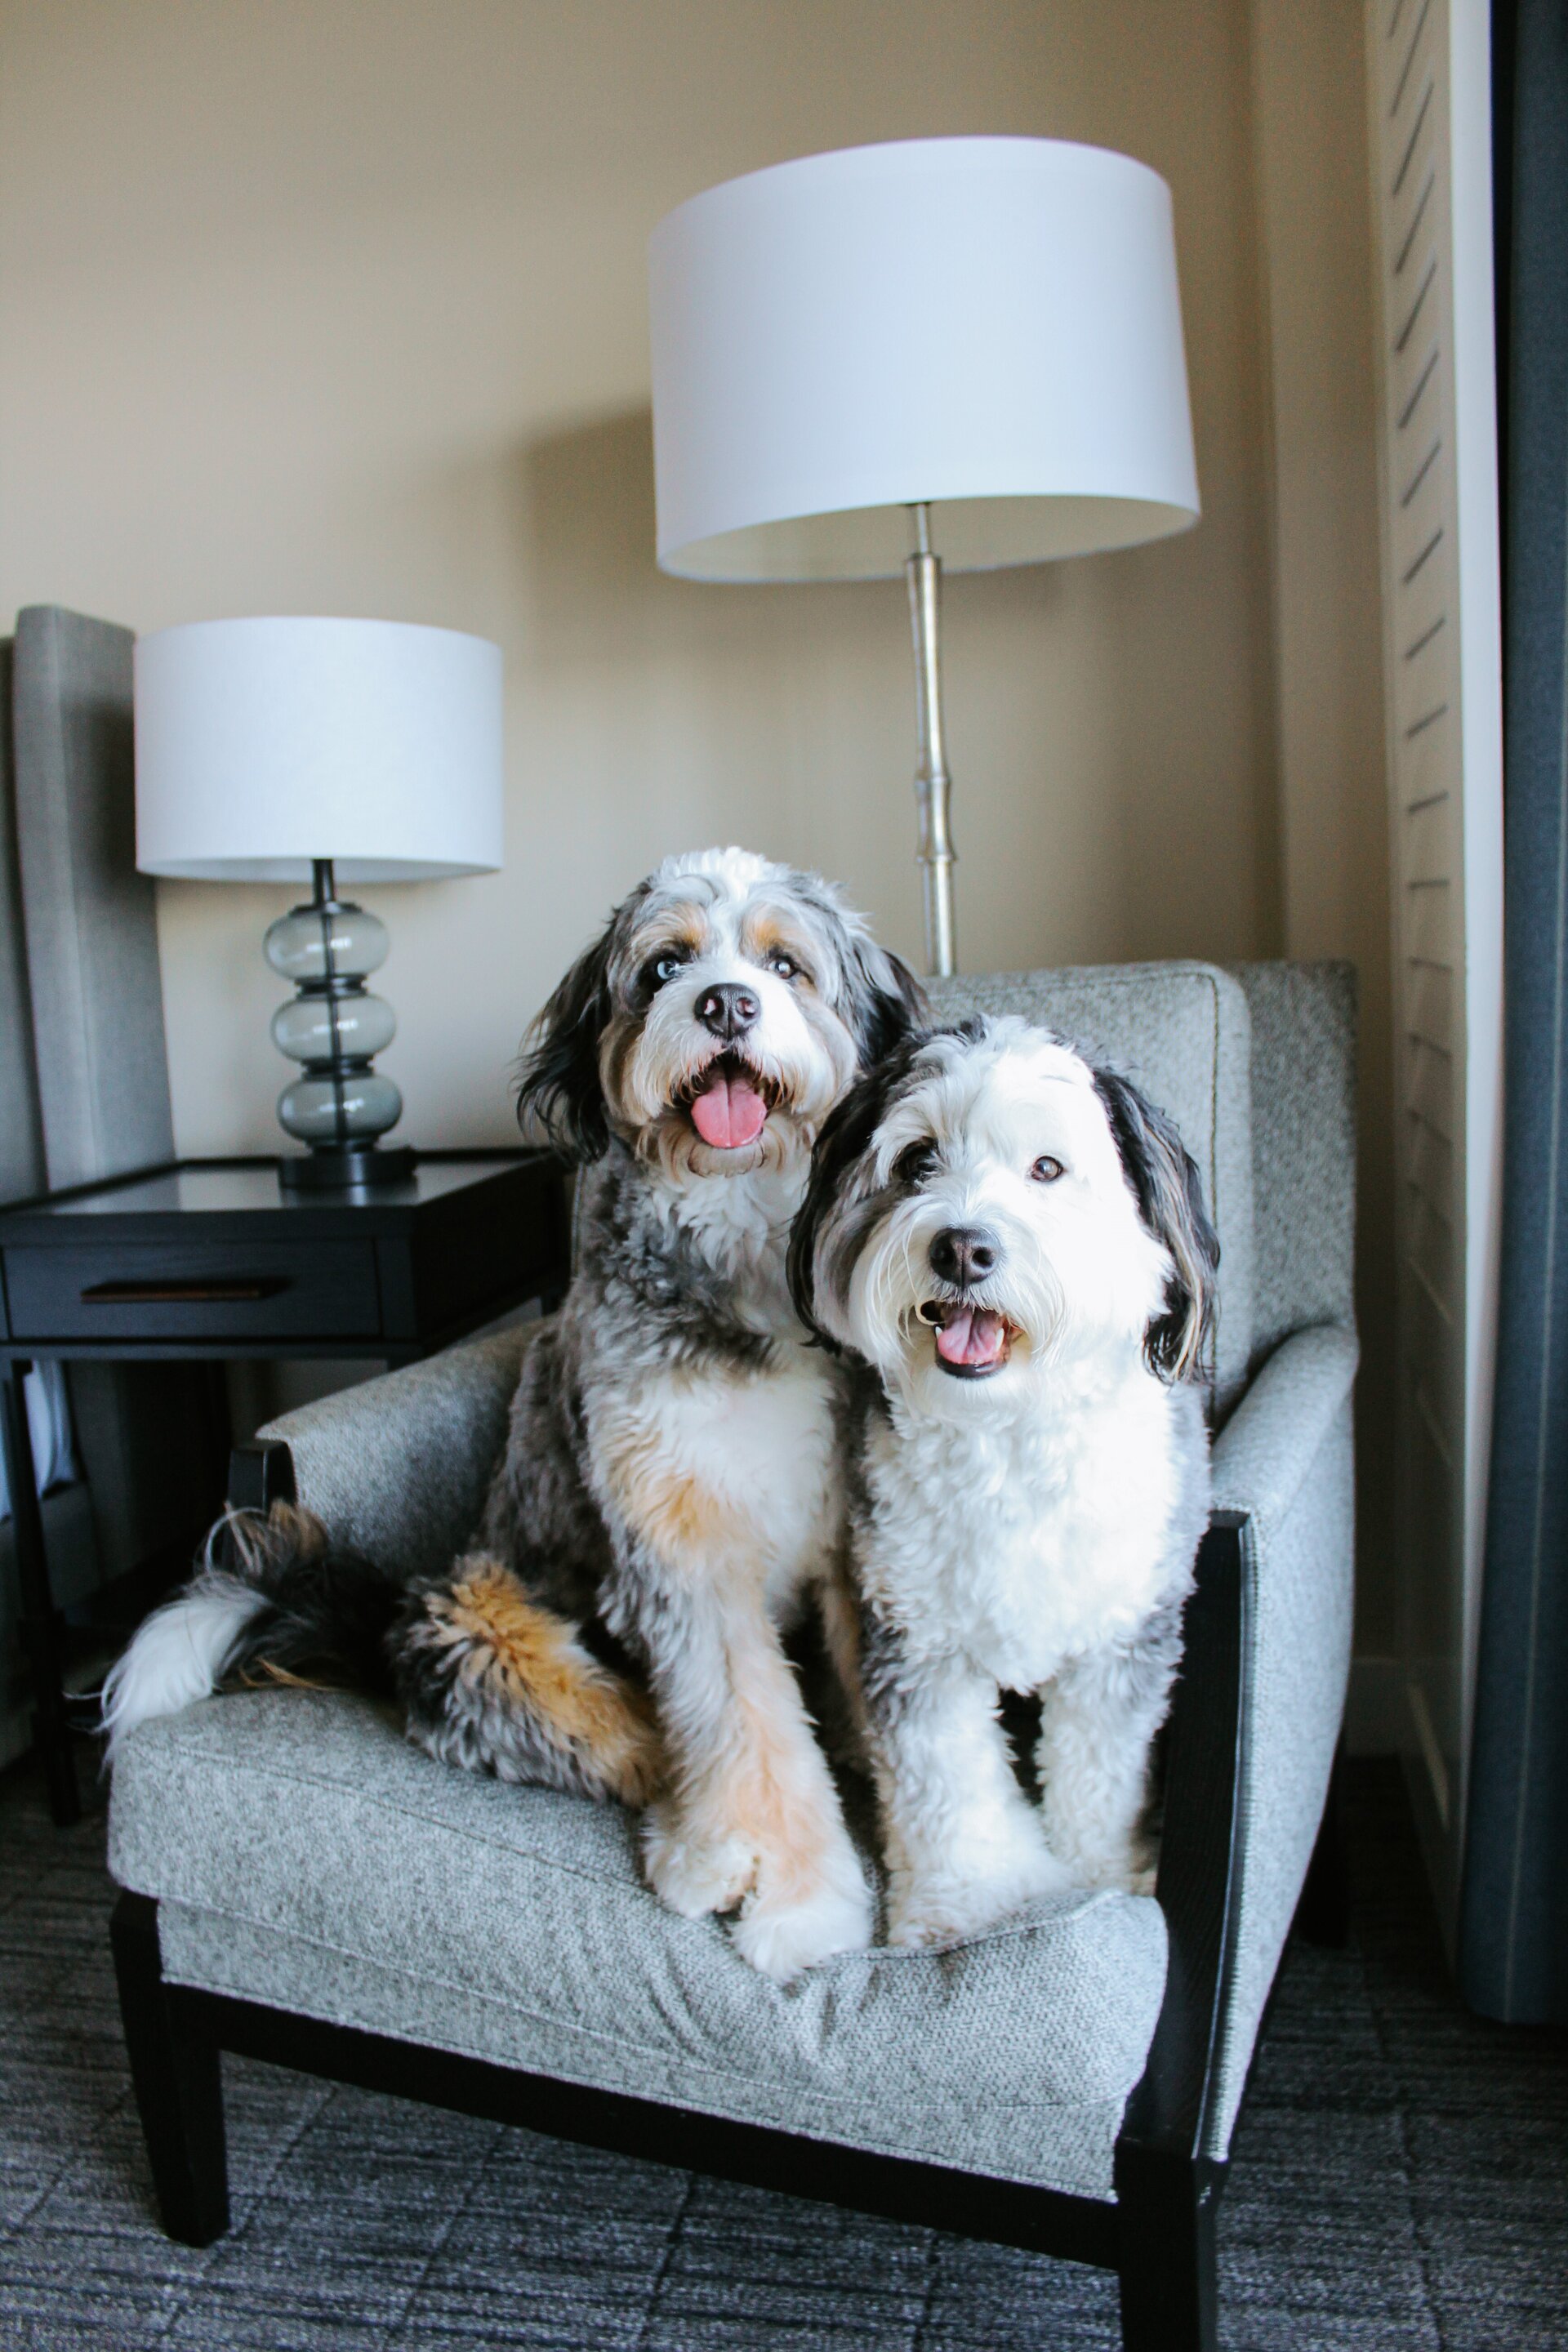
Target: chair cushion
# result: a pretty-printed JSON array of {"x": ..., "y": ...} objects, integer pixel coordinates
[
  {"x": 306, "y": 1857},
  {"x": 1182, "y": 1031}
]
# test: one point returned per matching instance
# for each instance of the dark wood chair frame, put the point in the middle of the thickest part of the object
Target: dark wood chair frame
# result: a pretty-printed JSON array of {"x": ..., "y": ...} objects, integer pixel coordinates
[{"x": 1157, "y": 2235}]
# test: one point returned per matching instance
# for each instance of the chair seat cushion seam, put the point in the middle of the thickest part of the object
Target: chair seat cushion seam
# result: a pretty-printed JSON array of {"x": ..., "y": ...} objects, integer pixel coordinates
[
  {"x": 1062, "y": 2109},
  {"x": 615, "y": 2041},
  {"x": 880, "y": 1956}
]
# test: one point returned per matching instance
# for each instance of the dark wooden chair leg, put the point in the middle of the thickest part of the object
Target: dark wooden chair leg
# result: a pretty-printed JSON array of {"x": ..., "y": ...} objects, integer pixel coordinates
[
  {"x": 179, "y": 2086},
  {"x": 1167, "y": 2191},
  {"x": 1167, "y": 2204},
  {"x": 1323, "y": 1913}
]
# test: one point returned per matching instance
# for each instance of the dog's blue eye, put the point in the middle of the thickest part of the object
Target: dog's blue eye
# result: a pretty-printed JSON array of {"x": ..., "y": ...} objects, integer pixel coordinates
[
  {"x": 1046, "y": 1170},
  {"x": 665, "y": 968},
  {"x": 786, "y": 966}
]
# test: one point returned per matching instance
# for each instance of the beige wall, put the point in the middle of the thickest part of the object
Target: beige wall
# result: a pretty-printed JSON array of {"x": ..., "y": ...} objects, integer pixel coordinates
[
  {"x": 334, "y": 306},
  {"x": 338, "y": 305}
]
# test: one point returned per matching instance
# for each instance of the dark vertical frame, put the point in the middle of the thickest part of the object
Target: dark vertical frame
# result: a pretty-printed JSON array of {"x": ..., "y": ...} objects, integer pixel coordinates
[
  {"x": 1513, "y": 1923},
  {"x": 40, "y": 1620}
]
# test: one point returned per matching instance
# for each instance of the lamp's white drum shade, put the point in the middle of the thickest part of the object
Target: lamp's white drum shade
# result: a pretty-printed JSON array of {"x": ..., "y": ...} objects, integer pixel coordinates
[
  {"x": 992, "y": 323},
  {"x": 261, "y": 745}
]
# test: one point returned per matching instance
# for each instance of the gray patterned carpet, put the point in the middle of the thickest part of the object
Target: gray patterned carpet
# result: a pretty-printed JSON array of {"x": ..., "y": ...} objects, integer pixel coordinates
[{"x": 1400, "y": 2179}]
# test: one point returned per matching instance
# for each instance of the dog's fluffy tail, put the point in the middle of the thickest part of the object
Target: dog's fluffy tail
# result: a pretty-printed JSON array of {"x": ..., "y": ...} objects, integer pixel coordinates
[
  {"x": 272, "y": 1593},
  {"x": 491, "y": 1679}
]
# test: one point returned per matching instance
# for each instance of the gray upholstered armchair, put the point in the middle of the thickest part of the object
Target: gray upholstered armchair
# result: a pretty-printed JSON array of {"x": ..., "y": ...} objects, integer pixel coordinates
[{"x": 305, "y": 1886}]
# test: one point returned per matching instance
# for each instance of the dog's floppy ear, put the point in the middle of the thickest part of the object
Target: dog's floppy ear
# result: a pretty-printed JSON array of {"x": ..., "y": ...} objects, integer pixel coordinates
[
  {"x": 559, "y": 1085},
  {"x": 882, "y": 1000},
  {"x": 1170, "y": 1195},
  {"x": 885, "y": 1000},
  {"x": 825, "y": 1237}
]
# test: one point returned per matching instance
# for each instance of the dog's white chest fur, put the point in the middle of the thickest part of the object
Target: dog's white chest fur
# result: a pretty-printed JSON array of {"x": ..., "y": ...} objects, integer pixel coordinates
[
  {"x": 1025, "y": 1542},
  {"x": 732, "y": 1472}
]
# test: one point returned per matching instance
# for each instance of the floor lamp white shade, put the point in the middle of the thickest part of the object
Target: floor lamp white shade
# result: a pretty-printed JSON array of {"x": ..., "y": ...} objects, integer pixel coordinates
[
  {"x": 960, "y": 352},
  {"x": 992, "y": 323},
  {"x": 263, "y": 746}
]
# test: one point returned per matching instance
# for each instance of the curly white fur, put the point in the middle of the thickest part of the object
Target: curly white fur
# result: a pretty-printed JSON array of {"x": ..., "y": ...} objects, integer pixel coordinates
[{"x": 1026, "y": 1521}]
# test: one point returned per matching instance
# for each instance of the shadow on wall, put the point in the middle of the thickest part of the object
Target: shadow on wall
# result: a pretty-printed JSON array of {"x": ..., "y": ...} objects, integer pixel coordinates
[
  {"x": 1111, "y": 800},
  {"x": 589, "y": 523},
  {"x": 778, "y": 717},
  {"x": 783, "y": 717}
]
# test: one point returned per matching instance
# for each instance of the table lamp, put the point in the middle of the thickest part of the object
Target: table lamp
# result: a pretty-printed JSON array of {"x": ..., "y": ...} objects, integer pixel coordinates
[
  {"x": 331, "y": 752},
  {"x": 942, "y": 351}
]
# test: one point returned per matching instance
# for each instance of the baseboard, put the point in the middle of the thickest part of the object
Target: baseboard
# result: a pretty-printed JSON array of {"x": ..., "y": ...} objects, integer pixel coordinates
[{"x": 1378, "y": 1712}]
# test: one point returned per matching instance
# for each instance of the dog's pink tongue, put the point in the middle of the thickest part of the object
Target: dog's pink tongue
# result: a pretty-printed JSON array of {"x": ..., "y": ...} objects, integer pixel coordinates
[
  {"x": 728, "y": 1113},
  {"x": 974, "y": 1336}
]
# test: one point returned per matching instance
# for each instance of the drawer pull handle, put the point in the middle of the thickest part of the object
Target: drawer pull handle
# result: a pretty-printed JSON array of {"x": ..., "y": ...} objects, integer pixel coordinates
[{"x": 182, "y": 1293}]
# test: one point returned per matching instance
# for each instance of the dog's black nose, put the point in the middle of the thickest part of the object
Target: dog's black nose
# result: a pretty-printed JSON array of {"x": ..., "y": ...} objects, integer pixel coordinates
[
  {"x": 728, "y": 1009},
  {"x": 964, "y": 1255}
]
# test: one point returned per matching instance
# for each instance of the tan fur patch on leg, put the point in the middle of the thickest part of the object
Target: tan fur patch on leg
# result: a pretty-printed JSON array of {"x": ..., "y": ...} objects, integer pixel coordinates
[
  {"x": 673, "y": 1513},
  {"x": 763, "y": 1783},
  {"x": 680, "y": 1514},
  {"x": 539, "y": 1663},
  {"x": 779, "y": 1797}
]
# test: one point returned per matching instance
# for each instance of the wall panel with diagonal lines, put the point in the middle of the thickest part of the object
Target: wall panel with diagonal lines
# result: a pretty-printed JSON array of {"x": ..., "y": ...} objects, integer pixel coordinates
[{"x": 1431, "y": 159}]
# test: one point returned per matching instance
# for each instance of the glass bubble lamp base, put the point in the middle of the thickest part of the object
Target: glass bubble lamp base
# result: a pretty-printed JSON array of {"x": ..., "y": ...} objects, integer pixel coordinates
[{"x": 339, "y": 1104}]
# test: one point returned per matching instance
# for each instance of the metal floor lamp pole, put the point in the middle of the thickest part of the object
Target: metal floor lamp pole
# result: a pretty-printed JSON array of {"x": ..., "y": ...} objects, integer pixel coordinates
[{"x": 932, "y": 784}]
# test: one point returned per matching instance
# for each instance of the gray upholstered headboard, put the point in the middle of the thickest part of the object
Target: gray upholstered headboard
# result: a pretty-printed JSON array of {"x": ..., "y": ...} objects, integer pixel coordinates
[
  {"x": 90, "y": 919},
  {"x": 84, "y": 1088},
  {"x": 21, "y": 1130}
]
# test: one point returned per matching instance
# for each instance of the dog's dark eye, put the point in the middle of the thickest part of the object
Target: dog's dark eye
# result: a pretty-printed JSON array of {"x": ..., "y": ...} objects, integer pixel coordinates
[
  {"x": 1046, "y": 1170},
  {"x": 915, "y": 1162},
  {"x": 785, "y": 965},
  {"x": 663, "y": 970}
]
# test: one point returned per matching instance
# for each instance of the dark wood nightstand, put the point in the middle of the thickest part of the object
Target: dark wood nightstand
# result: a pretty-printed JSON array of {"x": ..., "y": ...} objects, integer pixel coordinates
[{"x": 212, "y": 1259}]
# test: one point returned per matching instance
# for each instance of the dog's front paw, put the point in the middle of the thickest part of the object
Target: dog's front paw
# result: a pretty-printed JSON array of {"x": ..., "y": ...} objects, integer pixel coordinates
[
  {"x": 781, "y": 1933},
  {"x": 693, "y": 1872},
  {"x": 926, "y": 1908}
]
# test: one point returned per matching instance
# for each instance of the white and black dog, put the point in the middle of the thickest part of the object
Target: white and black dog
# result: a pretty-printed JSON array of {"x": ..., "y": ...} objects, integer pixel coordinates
[
  {"x": 670, "y": 1493},
  {"x": 1013, "y": 1247}
]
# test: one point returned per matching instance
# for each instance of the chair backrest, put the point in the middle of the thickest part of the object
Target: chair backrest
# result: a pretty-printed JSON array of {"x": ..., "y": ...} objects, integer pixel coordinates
[
  {"x": 1256, "y": 1066},
  {"x": 1303, "y": 1146},
  {"x": 1183, "y": 1032}
]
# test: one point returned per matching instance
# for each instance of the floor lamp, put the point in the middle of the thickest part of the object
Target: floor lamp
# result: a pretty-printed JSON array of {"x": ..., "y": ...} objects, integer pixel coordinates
[{"x": 940, "y": 352}]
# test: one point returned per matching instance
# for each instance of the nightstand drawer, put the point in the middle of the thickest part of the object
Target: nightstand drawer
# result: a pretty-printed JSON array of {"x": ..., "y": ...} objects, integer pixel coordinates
[{"x": 195, "y": 1290}]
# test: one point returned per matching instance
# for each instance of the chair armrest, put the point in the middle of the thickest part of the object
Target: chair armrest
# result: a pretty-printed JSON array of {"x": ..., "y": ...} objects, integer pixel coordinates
[
  {"x": 1264, "y": 1452},
  {"x": 1255, "y": 1720},
  {"x": 398, "y": 1467},
  {"x": 1285, "y": 1467}
]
